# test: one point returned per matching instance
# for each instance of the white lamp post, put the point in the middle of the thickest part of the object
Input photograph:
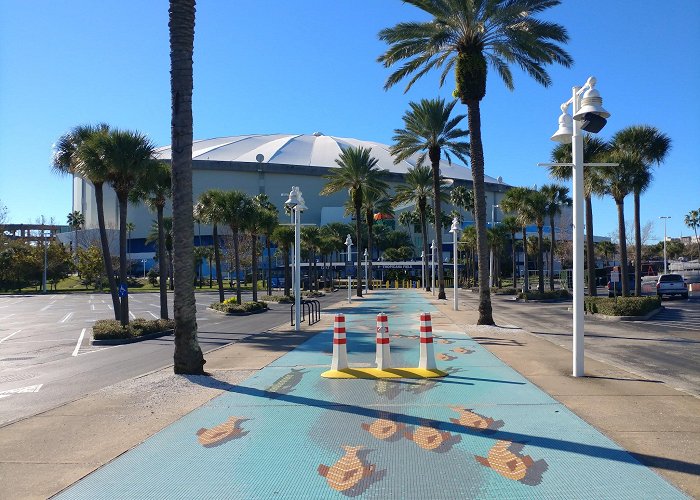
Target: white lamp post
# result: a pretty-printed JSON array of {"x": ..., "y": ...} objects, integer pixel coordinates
[
  {"x": 422, "y": 269},
  {"x": 366, "y": 282},
  {"x": 588, "y": 115},
  {"x": 348, "y": 243},
  {"x": 143, "y": 261},
  {"x": 493, "y": 224},
  {"x": 46, "y": 247},
  {"x": 455, "y": 236},
  {"x": 665, "y": 218},
  {"x": 432, "y": 266},
  {"x": 296, "y": 203}
]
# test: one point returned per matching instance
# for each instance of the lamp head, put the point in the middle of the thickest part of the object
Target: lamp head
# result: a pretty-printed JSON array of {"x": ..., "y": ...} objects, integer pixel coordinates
[
  {"x": 591, "y": 103},
  {"x": 302, "y": 206},
  {"x": 565, "y": 132},
  {"x": 455, "y": 226},
  {"x": 432, "y": 245},
  {"x": 348, "y": 241},
  {"x": 366, "y": 254},
  {"x": 293, "y": 199}
]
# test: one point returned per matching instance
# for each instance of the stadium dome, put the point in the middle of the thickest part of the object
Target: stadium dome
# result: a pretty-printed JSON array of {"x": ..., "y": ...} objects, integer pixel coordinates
[{"x": 306, "y": 150}]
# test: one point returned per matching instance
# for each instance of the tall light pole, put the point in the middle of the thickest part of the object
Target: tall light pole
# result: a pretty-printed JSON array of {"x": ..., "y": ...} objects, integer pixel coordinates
[
  {"x": 143, "y": 261},
  {"x": 455, "y": 236},
  {"x": 422, "y": 269},
  {"x": 432, "y": 266},
  {"x": 665, "y": 218},
  {"x": 493, "y": 225},
  {"x": 46, "y": 261},
  {"x": 296, "y": 203},
  {"x": 348, "y": 243},
  {"x": 366, "y": 282},
  {"x": 588, "y": 115}
]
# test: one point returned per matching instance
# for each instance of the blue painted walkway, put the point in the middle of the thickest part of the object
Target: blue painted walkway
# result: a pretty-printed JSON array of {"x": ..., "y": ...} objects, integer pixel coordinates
[{"x": 482, "y": 432}]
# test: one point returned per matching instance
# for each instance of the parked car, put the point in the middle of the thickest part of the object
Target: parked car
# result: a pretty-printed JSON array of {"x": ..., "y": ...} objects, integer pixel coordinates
[
  {"x": 618, "y": 287},
  {"x": 671, "y": 284}
]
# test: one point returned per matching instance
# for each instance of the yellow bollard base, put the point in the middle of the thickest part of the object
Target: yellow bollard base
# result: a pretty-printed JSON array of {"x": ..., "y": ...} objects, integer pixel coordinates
[{"x": 376, "y": 373}]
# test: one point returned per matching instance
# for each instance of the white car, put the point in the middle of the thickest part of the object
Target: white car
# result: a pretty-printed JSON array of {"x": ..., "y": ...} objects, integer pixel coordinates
[{"x": 671, "y": 284}]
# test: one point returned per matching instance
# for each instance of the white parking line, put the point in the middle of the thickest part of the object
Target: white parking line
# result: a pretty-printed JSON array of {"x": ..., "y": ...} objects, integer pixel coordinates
[
  {"x": 671, "y": 325},
  {"x": 66, "y": 317},
  {"x": 132, "y": 315},
  {"x": 46, "y": 307},
  {"x": 80, "y": 341},
  {"x": 135, "y": 300},
  {"x": 10, "y": 335},
  {"x": 149, "y": 312},
  {"x": 111, "y": 308},
  {"x": 92, "y": 306},
  {"x": 6, "y": 317},
  {"x": 154, "y": 305}
]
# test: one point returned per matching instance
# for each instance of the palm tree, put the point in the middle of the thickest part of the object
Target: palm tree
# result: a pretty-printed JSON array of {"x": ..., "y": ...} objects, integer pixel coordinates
[
  {"x": 75, "y": 221},
  {"x": 283, "y": 236},
  {"x": 417, "y": 190},
  {"x": 188, "y": 355},
  {"x": 517, "y": 201},
  {"x": 75, "y": 154},
  {"x": 468, "y": 240},
  {"x": 373, "y": 203},
  {"x": 606, "y": 248},
  {"x": 154, "y": 188},
  {"x": 537, "y": 202},
  {"x": 692, "y": 220},
  {"x": 652, "y": 146},
  {"x": 594, "y": 149},
  {"x": 462, "y": 198},
  {"x": 236, "y": 210},
  {"x": 269, "y": 222},
  {"x": 210, "y": 210},
  {"x": 510, "y": 224},
  {"x": 557, "y": 196},
  {"x": 358, "y": 173},
  {"x": 429, "y": 130},
  {"x": 258, "y": 219},
  {"x": 466, "y": 35},
  {"x": 310, "y": 243},
  {"x": 164, "y": 249},
  {"x": 497, "y": 240}
]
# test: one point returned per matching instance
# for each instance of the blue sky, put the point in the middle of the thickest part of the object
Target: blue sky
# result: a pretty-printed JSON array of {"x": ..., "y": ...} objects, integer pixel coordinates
[{"x": 304, "y": 66}]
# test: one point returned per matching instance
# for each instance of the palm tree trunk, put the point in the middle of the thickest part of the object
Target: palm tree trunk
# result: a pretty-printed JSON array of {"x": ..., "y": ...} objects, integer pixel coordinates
[
  {"x": 424, "y": 232},
  {"x": 358, "y": 235},
  {"x": 237, "y": 263},
  {"x": 526, "y": 266},
  {"x": 269, "y": 265},
  {"x": 369, "y": 261},
  {"x": 515, "y": 265},
  {"x": 210, "y": 275},
  {"x": 287, "y": 274},
  {"x": 637, "y": 248},
  {"x": 171, "y": 272},
  {"x": 217, "y": 261},
  {"x": 540, "y": 260},
  {"x": 552, "y": 246},
  {"x": 188, "y": 358},
  {"x": 163, "y": 281},
  {"x": 482, "y": 244},
  {"x": 253, "y": 252},
  {"x": 590, "y": 257},
  {"x": 624, "y": 276},
  {"x": 106, "y": 256},
  {"x": 435, "y": 161},
  {"x": 124, "y": 306}
]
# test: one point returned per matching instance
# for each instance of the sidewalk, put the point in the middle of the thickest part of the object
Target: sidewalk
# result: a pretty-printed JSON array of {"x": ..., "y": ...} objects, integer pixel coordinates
[{"x": 482, "y": 432}]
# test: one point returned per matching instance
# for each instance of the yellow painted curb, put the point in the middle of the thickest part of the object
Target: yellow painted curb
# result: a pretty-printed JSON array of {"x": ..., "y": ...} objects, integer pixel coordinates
[{"x": 376, "y": 373}]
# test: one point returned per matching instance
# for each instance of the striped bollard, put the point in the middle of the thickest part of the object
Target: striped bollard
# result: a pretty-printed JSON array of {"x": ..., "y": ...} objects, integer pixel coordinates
[
  {"x": 383, "y": 359},
  {"x": 340, "y": 352},
  {"x": 427, "y": 354}
]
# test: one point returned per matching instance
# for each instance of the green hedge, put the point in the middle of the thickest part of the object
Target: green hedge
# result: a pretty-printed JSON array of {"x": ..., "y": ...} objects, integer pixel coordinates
[
  {"x": 106, "y": 329},
  {"x": 549, "y": 295},
  {"x": 230, "y": 306},
  {"x": 623, "y": 306},
  {"x": 282, "y": 299}
]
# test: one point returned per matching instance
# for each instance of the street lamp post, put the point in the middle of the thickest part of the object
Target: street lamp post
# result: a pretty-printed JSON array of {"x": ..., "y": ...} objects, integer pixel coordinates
[
  {"x": 296, "y": 203},
  {"x": 422, "y": 269},
  {"x": 455, "y": 236},
  {"x": 348, "y": 243},
  {"x": 665, "y": 218},
  {"x": 143, "y": 261},
  {"x": 588, "y": 115},
  {"x": 493, "y": 225},
  {"x": 366, "y": 282},
  {"x": 46, "y": 247},
  {"x": 432, "y": 266}
]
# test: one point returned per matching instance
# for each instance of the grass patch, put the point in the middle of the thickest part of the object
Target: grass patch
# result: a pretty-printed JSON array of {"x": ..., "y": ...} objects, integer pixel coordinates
[
  {"x": 109, "y": 329},
  {"x": 231, "y": 306},
  {"x": 548, "y": 295},
  {"x": 623, "y": 306}
]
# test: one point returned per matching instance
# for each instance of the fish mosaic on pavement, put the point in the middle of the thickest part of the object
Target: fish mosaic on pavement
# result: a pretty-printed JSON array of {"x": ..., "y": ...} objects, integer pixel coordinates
[{"x": 481, "y": 432}]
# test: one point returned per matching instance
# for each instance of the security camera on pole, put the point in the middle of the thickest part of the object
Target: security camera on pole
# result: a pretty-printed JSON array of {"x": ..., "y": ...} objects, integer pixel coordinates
[{"x": 348, "y": 243}]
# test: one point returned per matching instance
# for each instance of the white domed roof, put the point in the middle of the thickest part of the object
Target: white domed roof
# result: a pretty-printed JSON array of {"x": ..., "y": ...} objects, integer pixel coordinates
[{"x": 317, "y": 150}]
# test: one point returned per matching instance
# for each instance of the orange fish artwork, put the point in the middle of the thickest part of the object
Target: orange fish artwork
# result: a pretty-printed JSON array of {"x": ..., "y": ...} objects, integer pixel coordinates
[
  {"x": 431, "y": 439},
  {"x": 473, "y": 420},
  {"x": 445, "y": 357},
  {"x": 505, "y": 457},
  {"x": 231, "y": 429},
  {"x": 462, "y": 350},
  {"x": 386, "y": 430},
  {"x": 445, "y": 341},
  {"x": 348, "y": 472}
]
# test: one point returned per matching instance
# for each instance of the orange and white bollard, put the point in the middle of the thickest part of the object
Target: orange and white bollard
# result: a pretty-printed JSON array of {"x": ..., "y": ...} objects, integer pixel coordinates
[
  {"x": 340, "y": 352},
  {"x": 383, "y": 359},
  {"x": 427, "y": 354}
]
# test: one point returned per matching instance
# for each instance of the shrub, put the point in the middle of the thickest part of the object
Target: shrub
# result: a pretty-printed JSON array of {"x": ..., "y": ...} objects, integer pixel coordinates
[
  {"x": 623, "y": 306},
  {"x": 549, "y": 295},
  {"x": 153, "y": 276},
  {"x": 504, "y": 291},
  {"x": 111, "y": 329},
  {"x": 282, "y": 299},
  {"x": 233, "y": 308},
  {"x": 230, "y": 302},
  {"x": 312, "y": 294}
]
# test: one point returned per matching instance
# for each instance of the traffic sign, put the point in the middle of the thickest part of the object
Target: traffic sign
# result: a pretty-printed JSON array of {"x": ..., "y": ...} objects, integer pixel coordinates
[
  {"x": 615, "y": 277},
  {"x": 123, "y": 290}
]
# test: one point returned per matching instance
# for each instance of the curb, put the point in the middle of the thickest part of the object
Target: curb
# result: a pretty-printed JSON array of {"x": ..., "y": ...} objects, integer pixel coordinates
[
  {"x": 149, "y": 336},
  {"x": 239, "y": 313},
  {"x": 605, "y": 317}
]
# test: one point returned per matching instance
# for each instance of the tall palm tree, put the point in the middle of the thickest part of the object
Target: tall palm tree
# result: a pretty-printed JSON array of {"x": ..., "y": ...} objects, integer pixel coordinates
[
  {"x": 497, "y": 240},
  {"x": 468, "y": 35},
  {"x": 652, "y": 146},
  {"x": 283, "y": 236},
  {"x": 606, "y": 248},
  {"x": 258, "y": 220},
  {"x": 468, "y": 241},
  {"x": 310, "y": 243},
  {"x": 556, "y": 196},
  {"x": 517, "y": 201},
  {"x": 692, "y": 220},
  {"x": 417, "y": 189},
  {"x": 188, "y": 355},
  {"x": 463, "y": 198},
  {"x": 269, "y": 222},
  {"x": 510, "y": 224},
  {"x": 373, "y": 203},
  {"x": 75, "y": 221},
  {"x": 74, "y": 153},
  {"x": 358, "y": 173},
  {"x": 594, "y": 149},
  {"x": 429, "y": 130},
  {"x": 127, "y": 154},
  {"x": 210, "y": 210},
  {"x": 154, "y": 188},
  {"x": 537, "y": 202},
  {"x": 164, "y": 251},
  {"x": 236, "y": 211}
]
